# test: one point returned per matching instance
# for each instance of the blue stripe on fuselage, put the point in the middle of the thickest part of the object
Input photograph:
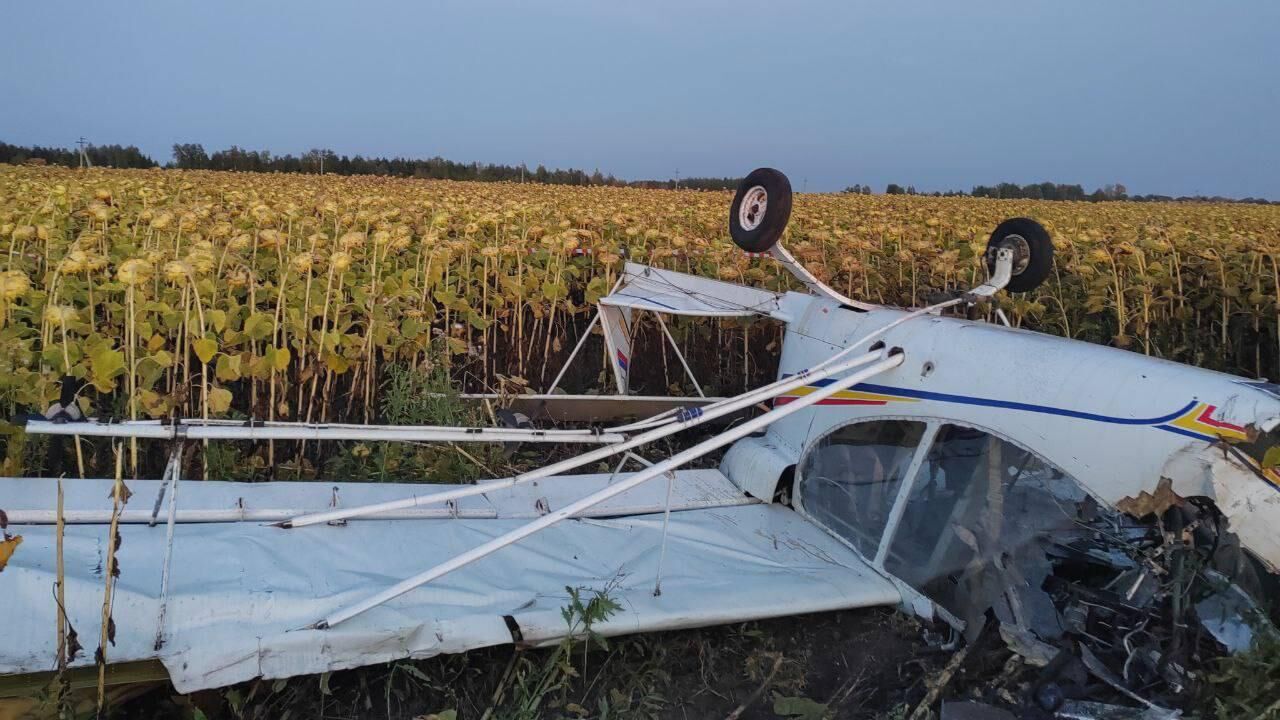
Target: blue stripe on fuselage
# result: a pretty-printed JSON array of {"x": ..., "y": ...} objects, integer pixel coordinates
[{"x": 1010, "y": 405}]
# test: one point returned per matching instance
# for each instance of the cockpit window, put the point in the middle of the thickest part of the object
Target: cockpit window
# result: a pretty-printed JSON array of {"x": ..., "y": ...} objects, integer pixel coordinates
[
  {"x": 977, "y": 503},
  {"x": 850, "y": 478}
]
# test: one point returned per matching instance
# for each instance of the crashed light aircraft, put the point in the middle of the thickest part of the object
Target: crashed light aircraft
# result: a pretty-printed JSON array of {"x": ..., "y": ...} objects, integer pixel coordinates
[{"x": 905, "y": 453}]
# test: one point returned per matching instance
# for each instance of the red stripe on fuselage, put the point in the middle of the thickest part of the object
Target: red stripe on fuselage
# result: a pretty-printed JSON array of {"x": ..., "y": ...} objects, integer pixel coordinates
[
  {"x": 831, "y": 401},
  {"x": 1206, "y": 417}
]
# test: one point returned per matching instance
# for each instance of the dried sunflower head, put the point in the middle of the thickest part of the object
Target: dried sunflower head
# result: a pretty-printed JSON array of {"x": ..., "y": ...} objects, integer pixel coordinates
[
  {"x": 269, "y": 238},
  {"x": 60, "y": 315},
  {"x": 75, "y": 262},
  {"x": 135, "y": 271},
  {"x": 238, "y": 278},
  {"x": 302, "y": 263},
  {"x": 14, "y": 284},
  {"x": 177, "y": 272},
  {"x": 340, "y": 261}
]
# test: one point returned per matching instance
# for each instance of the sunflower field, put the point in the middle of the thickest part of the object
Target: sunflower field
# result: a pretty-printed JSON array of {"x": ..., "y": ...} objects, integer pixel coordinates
[{"x": 170, "y": 293}]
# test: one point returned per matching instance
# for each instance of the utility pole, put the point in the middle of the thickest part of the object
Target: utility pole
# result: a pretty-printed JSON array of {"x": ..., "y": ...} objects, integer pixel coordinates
[
  {"x": 84, "y": 157},
  {"x": 677, "y": 178}
]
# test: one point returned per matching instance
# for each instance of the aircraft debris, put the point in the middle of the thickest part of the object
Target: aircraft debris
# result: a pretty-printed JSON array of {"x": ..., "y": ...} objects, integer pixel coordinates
[
  {"x": 1135, "y": 603},
  {"x": 1101, "y": 711},
  {"x": 1231, "y": 616},
  {"x": 971, "y": 710}
]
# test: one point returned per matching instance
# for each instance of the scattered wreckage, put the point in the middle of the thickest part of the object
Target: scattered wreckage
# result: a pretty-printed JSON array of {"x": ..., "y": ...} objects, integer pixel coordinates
[{"x": 959, "y": 469}]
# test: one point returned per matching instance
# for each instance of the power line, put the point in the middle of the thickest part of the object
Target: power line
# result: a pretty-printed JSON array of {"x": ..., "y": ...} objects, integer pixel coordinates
[{"x": 84, "y": 157}]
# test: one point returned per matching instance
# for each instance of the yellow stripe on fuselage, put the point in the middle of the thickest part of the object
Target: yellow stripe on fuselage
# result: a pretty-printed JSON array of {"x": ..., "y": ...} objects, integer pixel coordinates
[
  {"x": 1192, "y": 421},
  {"x": 853, "y": 395}
]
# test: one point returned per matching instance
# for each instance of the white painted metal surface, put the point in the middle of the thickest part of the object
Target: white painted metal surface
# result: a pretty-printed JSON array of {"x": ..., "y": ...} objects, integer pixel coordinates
[
  {"x": 616, "y": 325},
  {"x": 1116, "y": 420},
  {"x": 27, "y": 500},
  {"x": 673, "y": 293},
  {"x": 1113, "y": 419},
  {"x": 811, "y": 282},
  {"x": 756, "y": 464},
  {"x": 240, "y": 591}
]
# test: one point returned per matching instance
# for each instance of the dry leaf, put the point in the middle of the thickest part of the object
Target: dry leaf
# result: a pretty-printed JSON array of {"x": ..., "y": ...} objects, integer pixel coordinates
[{"x": 7, "y": 546}]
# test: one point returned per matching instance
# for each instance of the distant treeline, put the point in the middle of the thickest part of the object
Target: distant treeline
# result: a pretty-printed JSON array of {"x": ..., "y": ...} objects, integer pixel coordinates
[
  {"x": 693, "y": 183},
  {"x": 1053, "y": 191},
  {"x": 99, "y": 155},
  {"x": 192, "y": 156}
]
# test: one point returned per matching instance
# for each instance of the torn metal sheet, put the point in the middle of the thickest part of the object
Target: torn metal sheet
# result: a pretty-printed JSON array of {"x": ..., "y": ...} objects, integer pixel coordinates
[
  {"x": 1084, "y": 710},
  {"x": 1232, "y": 617},
  {"x": 970, "y": 710},
  {"x": 1103, "y": 673},
  {"x": 1028, "y": 646}
]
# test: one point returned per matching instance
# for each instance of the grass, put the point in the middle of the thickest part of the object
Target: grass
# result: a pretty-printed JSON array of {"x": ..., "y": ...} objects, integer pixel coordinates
[{"x": 857, "y": 664}]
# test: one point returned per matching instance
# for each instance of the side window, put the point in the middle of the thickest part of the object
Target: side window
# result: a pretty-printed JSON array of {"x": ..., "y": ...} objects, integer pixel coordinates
[
  {"x": 977, "y": 500},
  {"x": 848, "y": 479}
]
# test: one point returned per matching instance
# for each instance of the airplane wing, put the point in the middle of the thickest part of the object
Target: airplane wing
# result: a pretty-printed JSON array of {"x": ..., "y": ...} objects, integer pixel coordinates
[{"x": 240, "y": 593}]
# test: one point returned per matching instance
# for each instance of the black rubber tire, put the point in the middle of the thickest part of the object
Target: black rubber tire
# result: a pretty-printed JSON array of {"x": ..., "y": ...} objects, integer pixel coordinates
[
  {"x": 1039, "y": 261},
  {"x": 776, "y": 214}
]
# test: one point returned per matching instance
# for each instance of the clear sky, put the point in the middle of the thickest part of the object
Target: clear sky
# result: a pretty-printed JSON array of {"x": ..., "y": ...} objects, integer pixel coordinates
[{"x": 1169, "y": 97}]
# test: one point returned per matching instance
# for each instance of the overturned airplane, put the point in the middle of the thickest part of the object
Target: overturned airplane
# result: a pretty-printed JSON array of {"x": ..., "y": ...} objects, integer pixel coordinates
[{"x": 908, "y": 458}]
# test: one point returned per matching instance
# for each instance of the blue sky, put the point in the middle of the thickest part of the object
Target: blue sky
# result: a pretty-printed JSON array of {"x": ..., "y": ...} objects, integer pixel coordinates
[{"x": 1168, "y": 97}]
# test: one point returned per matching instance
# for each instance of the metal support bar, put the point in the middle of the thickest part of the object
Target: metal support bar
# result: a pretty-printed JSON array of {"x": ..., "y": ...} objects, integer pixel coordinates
[
  {"x": 575, "y": 508},
  {"x": 174, "y": 456},
  {"x": 680, "y": 355},
  {"x": 581, "y": 341},
  {"x": 899, "y": 507},
  {"x": 660, "y": 419},
  {"x": 680, "y": 422},
  {"x": 234, "y": 515},
  {"x": 666, "y": 522},
  {"x": 810, "y": 281},
  {"x": 999, "y": 278},
  {"x": 175, "y": 472},
  {"x": 639, "y": 459},
  {"x": 198, "y": 430},
  {"x": 623, "y": 462}
]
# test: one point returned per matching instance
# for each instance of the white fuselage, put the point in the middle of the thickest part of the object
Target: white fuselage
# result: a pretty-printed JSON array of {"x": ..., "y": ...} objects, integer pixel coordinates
[{"x": 1119, "y": 422}]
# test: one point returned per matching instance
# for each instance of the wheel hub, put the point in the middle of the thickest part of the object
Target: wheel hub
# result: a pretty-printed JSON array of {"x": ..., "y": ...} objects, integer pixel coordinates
[
  {"x": 1021, "y": 251},
  {"x": 751, "y": 211}
]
